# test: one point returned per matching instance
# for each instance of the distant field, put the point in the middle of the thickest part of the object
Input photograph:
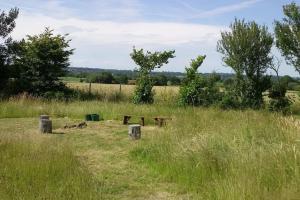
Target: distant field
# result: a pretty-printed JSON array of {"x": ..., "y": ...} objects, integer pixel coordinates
[
  {"x": 71, "y": 79},
  {"x": 163, "y": 94}
]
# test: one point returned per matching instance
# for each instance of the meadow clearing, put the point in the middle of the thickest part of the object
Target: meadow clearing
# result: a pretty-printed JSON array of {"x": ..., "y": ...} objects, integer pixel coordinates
[{"x": 203, "y": 153}]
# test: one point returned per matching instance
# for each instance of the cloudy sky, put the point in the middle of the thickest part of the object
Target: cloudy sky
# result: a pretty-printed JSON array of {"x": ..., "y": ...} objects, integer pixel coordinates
[{"x": 103, "y": 32}]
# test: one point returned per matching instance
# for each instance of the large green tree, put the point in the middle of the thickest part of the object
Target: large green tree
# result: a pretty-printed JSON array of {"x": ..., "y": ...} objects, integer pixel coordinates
[
  {"x": 246, "y": 49},
  {"x": 42, "y": 60},
  {"x": 147, "y": 62},
  {"x": 7, "y": 24},
  {"x": 287, "y": 34}
]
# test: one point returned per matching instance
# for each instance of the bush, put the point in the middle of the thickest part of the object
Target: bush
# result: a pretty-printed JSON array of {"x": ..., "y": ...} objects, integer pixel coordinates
[
  {"x": 199, "y": 93},
  {"x": 277, "y": 91},
  {"x": 229, "y": 101},
  {"x": 278, "y": 101},
  {"x": 198, "y": 90},
  {"x": 68, "y": 94},
  {"x": 280, "y": 105}
]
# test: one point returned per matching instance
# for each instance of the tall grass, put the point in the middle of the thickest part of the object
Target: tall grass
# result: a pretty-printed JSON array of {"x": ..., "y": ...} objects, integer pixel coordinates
[
  {"x": 24, "y": 107},
  {"x": 209, "y": 153},
  {"x": 227, "y": 155},
  {"x": 166, "y": 95},
  {"x": 33, "y": 168}
]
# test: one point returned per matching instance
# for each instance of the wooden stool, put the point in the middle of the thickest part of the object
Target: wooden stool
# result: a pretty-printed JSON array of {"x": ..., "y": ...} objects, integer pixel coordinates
[{"x": 161, "y": 121}]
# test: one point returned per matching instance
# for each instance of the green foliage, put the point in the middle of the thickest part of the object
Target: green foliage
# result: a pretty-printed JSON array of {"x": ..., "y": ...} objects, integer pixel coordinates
[
  {"x": 143, "y": 92},
  {"x": 41, "y": 61},
  {"x": 160, "y": 80},
  {"x": 246, "y": 49},
  {"x": 174, "y": 80},
  {"x": 121, "y": 79},
  {"x": 287, "y": 34},
  {"x": 103, "y": 77},
  {"x": 7, "y": 24},
  {"x": 147, "y": 62},
  {"x": 278, "y": 100},
  {"x": 197, "y": 90},
  {"x": 280, "y": 105},
  {"x": 278, "y": 90},
  {"x": 229, "y": 101}
]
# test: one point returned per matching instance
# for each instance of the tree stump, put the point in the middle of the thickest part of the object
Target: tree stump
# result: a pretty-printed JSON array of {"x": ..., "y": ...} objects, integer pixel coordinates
[
  {"x": 45, "y": 126},
  {"x": 134, "y": 132},
  {"x": 44, "y": 117}
]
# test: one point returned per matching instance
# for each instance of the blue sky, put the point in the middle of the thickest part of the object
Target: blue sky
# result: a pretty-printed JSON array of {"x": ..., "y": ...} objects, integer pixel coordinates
[{"x": 103, "y": 32}]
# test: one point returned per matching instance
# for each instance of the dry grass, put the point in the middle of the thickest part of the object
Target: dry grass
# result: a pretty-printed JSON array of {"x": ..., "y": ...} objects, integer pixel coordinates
[{"x": 163, "y": 94}]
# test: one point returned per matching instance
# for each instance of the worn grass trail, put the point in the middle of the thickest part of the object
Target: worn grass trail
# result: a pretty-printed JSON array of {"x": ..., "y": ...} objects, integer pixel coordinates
[{"x": 103, "y": 150}]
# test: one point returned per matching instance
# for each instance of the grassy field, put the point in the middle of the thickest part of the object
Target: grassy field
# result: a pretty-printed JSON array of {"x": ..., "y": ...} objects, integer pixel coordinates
[
  {"x": 163, "y": 94},
  {"x": 200, "y": 154}
]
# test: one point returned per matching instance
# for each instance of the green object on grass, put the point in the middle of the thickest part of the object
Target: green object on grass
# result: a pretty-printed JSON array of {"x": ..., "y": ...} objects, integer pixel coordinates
[
  {"x": 88, "y": 117},
  {"x": 95, "y": 117}
]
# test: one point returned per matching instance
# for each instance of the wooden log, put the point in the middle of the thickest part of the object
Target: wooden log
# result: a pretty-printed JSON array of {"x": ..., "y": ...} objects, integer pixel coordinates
[
  {"x": 45, "y": 126},
  {"x": 134, "y": 132}
]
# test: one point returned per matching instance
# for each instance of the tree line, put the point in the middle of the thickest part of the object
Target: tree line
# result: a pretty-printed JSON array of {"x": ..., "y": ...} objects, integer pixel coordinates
[
  {"x": 106, "y": 77},
  {"x": 35, "y": 63}
]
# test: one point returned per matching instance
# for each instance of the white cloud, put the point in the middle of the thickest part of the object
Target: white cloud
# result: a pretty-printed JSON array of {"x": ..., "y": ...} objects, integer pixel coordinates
[
  {"x": 131, "y": 33},
  {"x": 107, "y": 44}
]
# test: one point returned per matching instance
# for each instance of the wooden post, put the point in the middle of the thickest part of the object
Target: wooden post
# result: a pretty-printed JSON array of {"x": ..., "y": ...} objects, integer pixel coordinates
[
  {"x": 134, "y": 132},
  {"x": 126, "y": 119},
  {"x": 90, "y": 88},
  {"x": 120, "y": 90},
  {"x": 143, "y": 121}
]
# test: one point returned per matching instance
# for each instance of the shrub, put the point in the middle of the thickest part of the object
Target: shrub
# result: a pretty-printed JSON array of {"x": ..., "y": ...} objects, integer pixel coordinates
[
  {"x": 278, "y": 100},
  {"x": 280, "y": 105},
  {"x": 196, "y": 89},
  {"x": 229, "y": 101}
]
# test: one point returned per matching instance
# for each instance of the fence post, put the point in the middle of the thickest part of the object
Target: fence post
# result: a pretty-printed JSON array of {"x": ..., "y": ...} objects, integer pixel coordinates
[{"x": 90, "y": 88}]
